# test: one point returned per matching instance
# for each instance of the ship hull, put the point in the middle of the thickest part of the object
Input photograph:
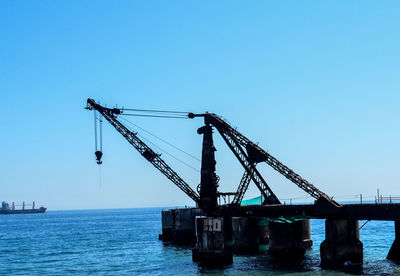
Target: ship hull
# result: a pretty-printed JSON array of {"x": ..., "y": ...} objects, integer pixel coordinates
[{"x": 26, "y": 211}]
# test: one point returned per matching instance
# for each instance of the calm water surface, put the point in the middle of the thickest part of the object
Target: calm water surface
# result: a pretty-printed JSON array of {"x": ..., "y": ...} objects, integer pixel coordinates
[{"x": 125, "y": 242}]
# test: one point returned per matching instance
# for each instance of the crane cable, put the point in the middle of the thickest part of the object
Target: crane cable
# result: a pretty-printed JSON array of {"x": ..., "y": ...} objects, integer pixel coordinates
[
  {"x": 101, "y": 133},
  {"x": 95, "y": 130},
  {"x": 159, "y": 138},
  {"x": 98, "y": 151},
  {"x": 156, "y": 116},
  {"x": 155, "y": 113},
  {"x": 163, "y": 150},
  {"x": 170, "y": 154}
]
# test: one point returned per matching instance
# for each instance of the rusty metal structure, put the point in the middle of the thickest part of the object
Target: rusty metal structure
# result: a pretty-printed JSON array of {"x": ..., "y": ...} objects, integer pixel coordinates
[{"x": 248, "y": 153}]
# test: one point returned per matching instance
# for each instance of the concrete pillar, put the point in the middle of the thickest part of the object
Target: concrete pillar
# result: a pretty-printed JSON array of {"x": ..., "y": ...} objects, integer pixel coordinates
[
  {"x": 211, "y": 238},
  {"x": 394, "y": 253},
  {"x": 245, "y": 234},
  {"x": 289, "y": 240},
  {"x": 306, "y": 226},
  {"x": 263, "y": 235},
  {"x": 342, "y": 243},
  {"x": 178, "y": 225},
  {"x": 167, "y": 225},
  {"x": 184, "y": 231},
  {"x": 263, "y": 231}
]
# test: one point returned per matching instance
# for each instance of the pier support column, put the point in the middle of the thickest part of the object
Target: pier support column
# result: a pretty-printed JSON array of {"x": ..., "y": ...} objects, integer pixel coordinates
[
  {"x": 211, "y": 248},
  {"x": 245, "y": 234},
  {"x": 289, "y": 240},
  {"x": 184, "y": 232},
  {"x": 167, "y": 224},
  {"x": 394, "y": 253},
  {"x": 342, "y": 243},
  {"x": 263, "y": 235},
  {"x": 178, "y": 225}
]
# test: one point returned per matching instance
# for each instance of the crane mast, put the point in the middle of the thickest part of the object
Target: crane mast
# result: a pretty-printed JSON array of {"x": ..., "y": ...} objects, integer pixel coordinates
[{"x": 110, "y": 114}]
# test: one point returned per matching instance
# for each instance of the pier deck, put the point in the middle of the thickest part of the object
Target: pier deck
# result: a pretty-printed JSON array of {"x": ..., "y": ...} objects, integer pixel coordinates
[{"x": 370, "y": 211}]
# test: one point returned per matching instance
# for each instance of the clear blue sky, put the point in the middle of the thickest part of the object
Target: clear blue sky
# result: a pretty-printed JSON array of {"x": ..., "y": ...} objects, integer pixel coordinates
[{"x": 316, "y": 83}]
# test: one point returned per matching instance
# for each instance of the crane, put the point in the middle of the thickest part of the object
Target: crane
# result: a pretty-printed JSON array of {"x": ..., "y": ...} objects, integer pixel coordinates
[
  {"x": 247, "y": 152},
  {"x": 111, "y": 115},
  {"x": 249, "y": 155}
]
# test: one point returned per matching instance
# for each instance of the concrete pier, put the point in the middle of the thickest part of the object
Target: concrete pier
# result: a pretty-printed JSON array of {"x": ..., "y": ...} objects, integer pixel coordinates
[
  {"x": 178, "y": 225},
  {"x": 394, "y": 253},
  {"x": 289, "y": 240},
  {"x": 167, "y": 225},
  {"x": 263, "y": 233},
  {"x": 245, "y": 234},
  {"x": 342, "y": 243},
  {"x": 184, "y": 232},
  {"x": 211, "y": 248}
]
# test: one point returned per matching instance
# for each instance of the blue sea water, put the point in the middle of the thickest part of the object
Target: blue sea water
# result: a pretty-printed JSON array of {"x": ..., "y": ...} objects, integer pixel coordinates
[{"x": 125, "y": 242}]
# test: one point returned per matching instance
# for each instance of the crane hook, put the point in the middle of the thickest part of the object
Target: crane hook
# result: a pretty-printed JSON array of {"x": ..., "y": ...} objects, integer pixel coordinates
[{"x": 98, "y": 154}]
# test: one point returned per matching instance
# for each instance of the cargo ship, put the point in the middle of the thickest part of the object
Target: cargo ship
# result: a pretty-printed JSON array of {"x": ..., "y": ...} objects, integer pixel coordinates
[{"x": 6, "y": 210}]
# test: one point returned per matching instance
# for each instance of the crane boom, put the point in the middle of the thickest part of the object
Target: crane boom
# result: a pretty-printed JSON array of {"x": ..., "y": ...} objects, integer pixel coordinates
[
  {"x": 256, "y": 154},
  {"x": 110, "y": 114}
]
